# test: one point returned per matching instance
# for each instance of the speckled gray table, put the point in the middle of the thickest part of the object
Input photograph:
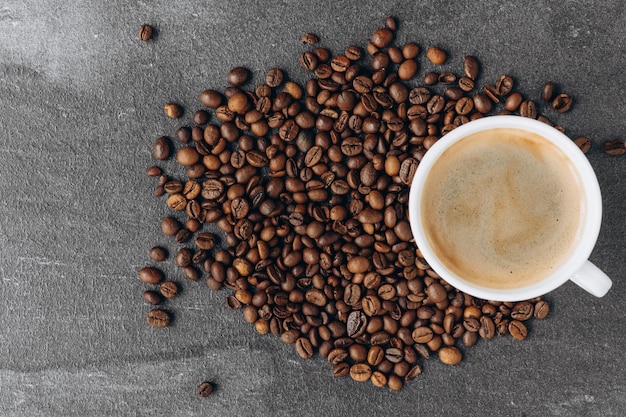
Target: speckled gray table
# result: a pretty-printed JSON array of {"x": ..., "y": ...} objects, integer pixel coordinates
[{"x": 80, "y": 104}]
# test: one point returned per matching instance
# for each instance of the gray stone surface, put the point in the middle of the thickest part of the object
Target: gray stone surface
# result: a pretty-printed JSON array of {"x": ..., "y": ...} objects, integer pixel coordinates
[{"x": 80, "y": 105}]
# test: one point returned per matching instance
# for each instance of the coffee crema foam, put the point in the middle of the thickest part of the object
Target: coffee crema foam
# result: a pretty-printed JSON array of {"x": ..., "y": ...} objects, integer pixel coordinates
[{"x": 502, "y": 208}]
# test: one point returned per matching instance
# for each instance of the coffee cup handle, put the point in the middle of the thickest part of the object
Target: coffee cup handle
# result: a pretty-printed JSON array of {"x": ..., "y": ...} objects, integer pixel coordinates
[{"x": 591, "y": 279}]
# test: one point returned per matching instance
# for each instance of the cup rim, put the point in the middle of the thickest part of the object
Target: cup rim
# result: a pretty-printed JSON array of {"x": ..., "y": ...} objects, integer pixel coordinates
[{"x": 588, "y": 235}]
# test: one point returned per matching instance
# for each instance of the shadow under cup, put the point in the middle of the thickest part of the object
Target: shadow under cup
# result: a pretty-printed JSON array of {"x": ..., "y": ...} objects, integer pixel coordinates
[{"x": 449, "y": 237}]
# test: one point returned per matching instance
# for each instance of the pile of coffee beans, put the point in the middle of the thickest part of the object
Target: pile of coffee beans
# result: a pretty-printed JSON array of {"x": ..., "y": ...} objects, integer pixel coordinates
[{"x": 308, "y": 187}]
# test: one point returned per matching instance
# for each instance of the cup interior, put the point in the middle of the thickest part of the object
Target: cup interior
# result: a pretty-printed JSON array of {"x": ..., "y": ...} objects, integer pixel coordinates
[{"x": 588, "y": 233}]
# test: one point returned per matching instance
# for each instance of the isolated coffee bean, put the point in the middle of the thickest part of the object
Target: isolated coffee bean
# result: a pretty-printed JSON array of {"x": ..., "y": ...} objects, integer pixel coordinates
[
  {"x": 158, "y": 318},
  {"x": 436, "y": 55},
  {"x": 173, "y": 110},
  {"x": 152, "y": 297},
  {"x": 470, "y": 67},
  {"x": 237, "y": 76},
  {"x": 205, "y": 389},
  {"x": 145, "y": 32},
  {"x": 616, "y": 147},
  {"x": 161, "y": 148},
  {"x": 151, "y": 275},
  {"x": 547, "y": 91},
  {"x": 158, "y": 254},
  {"x": 562, "y": 103}
]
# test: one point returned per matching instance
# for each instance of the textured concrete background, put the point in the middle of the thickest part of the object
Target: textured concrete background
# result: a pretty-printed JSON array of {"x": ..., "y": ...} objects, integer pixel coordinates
[{"x": 80, "y": 105}]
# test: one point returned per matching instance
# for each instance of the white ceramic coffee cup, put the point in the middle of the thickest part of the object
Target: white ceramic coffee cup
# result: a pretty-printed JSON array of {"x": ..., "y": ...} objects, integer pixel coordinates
[{"x": 577, "y": 267}]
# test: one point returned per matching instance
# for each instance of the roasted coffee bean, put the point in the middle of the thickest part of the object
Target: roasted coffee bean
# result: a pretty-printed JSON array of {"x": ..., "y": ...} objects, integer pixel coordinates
[
  {"x": 274, "y": 77},
  {"x": 504, "y": 85},
  {"x": 151, "y": 275},
  {"x": 341, "y": 369},
  {"x": 158, "y": 318},
  {"x": 309, "y": 38},
  {"x": 152, "y": 297},
  {"x": 528, "y": 109},
  {"x": 562, "y": 103},
  {"x": 378, "y": 379},
  {"x": 583, "y": 143},
  {"x": 470, "y": 67},
  {"x": 482, "y": 103},
  {"x": 304, "y": 348},
  {"x": 436, "y": 55},
  {"x": 211, "y": 98},
  {"x": 173, "y": 110},
  {"x": 522, "y": 310},
  {"x": 154, "y": 171},
  {"x": 360, "y": 372},
  {"x": 168, "y": 289},
  {"x": 541, "y": 310},
  {"x": 161, "y": 148},
  {"x": 170, "y": 226},
  {"x": 205, "y": 389},
  {"x": 449, "y": 355},
  {"x": 145, "y": 32},
  {"x": 382, "y": 37},
  {"x": 422, "y": 334},
  {"x": 487, "y": 328},
  {"x": 517, "y": 329},
  {"x": 547, "y": 91},
  {"x": 616, "y": 147},
  {"x": 182, "y": 236},
  {"x": 237, "y": 76},
  {"x": 407, "y": 170},
  {"x": 205, "y": 240},
  {"x": 513, "y": 101},
  {"x": 431, "y": 78},
  {"x": 356, "y": 323},
  {"x": 158, "y": 254}
]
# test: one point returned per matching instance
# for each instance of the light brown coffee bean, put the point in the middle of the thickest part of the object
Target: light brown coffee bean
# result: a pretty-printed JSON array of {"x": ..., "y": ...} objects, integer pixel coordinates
[
  {"x": 450, "y": 355},
  {"x": 360, "y": 372}
]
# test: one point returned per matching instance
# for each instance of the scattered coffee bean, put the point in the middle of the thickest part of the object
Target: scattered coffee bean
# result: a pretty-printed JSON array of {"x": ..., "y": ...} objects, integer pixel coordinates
[
  {"x": 562, "y": 103},
  {"x": 547, "y": 91},
  {"x": 436, "y": 55},
  {"x": 583, "y": 143},
  {"x": 145, "y": 32},
  {"x": 309, "y": 39},
  {"x": 314, "y": 239},
  {"x": 237, "y": 76},
  {"x": 173, "y": 110},
  {"x": 152, "y": 297},
  {"x": 158, "y": 318},
  {"x": 161, "y": 148},
  {"x": 616, "y": 147},
  {"x": 158, "y": 254},
  {"x": 205, "y": 389},
  {"x": 150, "y": 275},
  {"x": 168, "y": 289}
]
